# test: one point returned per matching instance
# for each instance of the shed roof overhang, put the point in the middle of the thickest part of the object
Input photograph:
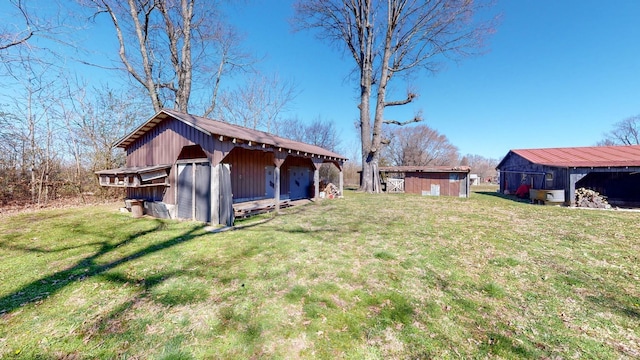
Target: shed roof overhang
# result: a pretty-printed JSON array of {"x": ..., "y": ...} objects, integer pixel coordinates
[
  {"x": 133, "y": 170},
  {"x": 145, "y": 176}
]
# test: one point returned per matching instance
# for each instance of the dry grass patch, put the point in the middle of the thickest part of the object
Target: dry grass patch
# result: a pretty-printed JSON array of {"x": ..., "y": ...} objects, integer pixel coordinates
[{"x": 368, "y": 276}]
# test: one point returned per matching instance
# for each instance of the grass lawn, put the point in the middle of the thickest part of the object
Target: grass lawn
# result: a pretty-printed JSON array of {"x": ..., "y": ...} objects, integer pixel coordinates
[{"x": 365, "y": 277}]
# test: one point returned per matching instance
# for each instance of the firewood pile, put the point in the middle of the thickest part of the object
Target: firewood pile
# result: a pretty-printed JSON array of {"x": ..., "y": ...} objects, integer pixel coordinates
[
  {"x": 332, "y": 191},
  {"x": 591, "y": 199}
]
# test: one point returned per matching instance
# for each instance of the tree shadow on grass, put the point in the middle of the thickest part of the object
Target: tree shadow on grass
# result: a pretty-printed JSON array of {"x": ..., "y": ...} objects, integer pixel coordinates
[{"x": 87, "y": 267}]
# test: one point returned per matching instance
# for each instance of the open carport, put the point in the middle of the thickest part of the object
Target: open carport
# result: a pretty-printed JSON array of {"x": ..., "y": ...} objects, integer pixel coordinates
[{"x": 613, "y": 171}]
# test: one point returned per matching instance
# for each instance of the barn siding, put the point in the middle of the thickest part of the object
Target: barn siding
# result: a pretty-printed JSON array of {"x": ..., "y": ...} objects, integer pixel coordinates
[
  {"x": 162, "y": 145},
  {"x": 417, "y": 182},
  {"x": 248, "y": 172},
  {"x": 516, "y": 170}
]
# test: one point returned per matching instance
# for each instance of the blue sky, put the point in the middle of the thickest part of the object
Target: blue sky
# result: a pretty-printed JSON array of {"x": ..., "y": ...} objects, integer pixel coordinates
[{"x": 556, "y": 73}]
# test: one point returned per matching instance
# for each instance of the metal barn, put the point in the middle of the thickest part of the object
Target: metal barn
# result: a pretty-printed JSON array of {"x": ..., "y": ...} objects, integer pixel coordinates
[
  {"x": 427, "y": 180},
  {"x": 189, "y": 167},
  {"x": 613, "y": 171}
]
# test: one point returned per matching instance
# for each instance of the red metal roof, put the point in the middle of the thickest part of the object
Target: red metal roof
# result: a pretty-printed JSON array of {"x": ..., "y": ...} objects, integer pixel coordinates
[
  {"x": 220, "y": 128},
  {"x": 592, "y": 156},
  {"x": 427, "y": 169}
]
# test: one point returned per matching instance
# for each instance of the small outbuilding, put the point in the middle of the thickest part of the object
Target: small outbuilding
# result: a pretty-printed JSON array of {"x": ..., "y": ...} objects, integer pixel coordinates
[
  {"x": 189, "y": 167},
  {"x": 613, "y": 171},
  {"x": 426, "y": 180}
]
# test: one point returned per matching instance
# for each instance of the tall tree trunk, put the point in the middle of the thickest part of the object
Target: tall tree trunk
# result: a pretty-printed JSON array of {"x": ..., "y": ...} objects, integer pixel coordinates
[{"x": 365, "y": 54}]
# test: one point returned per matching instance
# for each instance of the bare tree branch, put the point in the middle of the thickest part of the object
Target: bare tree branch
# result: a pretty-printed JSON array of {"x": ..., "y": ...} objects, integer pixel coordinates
[
  {"x": 625, "y": 132},
  {"x": 259, "y": 103},
  {"x": 409, "y": 99},
  {"x": 389, "y": 37},
  {"x": 402, "y": 123},
  {"x": 170, "y": 46}
]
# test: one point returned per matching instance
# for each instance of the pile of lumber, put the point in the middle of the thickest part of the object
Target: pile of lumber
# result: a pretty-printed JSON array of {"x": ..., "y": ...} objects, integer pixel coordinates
[
  {"x": 331, "y": 191},
  {"x": 591, "y": 199}
]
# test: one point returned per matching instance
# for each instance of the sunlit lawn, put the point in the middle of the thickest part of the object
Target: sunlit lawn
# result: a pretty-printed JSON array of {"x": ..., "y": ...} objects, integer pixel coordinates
[{"x": 368, "y": 276}]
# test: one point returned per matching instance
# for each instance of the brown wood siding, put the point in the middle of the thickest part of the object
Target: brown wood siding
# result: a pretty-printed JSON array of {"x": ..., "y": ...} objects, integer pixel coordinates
[
  {"x": 416, "y": 183},
  {"x": 248, "y": 172},
  {"x": 162, "y": 145}
]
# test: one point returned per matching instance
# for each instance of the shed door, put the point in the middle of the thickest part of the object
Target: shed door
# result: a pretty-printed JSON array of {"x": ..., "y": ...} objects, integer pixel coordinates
[
  {"x": 185, "y": 189},
  {"x": 202, "y": 192},
  {"x": 269, "y": 184},
  {"x": 194, "y": 191},
  {"x": 298, "y": 183},
  {"x": 435, "y": 190}
]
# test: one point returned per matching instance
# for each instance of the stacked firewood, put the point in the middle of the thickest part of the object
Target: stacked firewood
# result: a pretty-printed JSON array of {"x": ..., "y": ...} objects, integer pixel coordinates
[
  {"x": 332, "y": 191},
  {"x": 591, "y": 199}
]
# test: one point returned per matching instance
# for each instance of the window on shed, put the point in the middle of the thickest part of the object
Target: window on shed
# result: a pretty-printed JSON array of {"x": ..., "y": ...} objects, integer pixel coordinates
[{"x": 548, "y": 177}]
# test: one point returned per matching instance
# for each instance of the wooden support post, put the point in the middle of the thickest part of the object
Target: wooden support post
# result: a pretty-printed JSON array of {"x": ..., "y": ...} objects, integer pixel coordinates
[
  {"x": 316, "y": 183},
  {"x": 276, "y": 181},
  {"x": 278, "y": 161},
  {"x": 341, "y": 182},
  {"x": 316, "y": 177},
  {"x": 215, "y": 194}
]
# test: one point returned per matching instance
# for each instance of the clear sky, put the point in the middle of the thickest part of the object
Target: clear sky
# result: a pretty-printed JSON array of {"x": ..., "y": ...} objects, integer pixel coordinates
[{"x": 556, "y": 73}]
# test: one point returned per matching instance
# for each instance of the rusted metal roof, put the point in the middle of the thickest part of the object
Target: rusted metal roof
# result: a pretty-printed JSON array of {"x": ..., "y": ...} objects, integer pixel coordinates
[
  {"x": 426, "y": 169},
  {"x": 592, "y": 156},
  {"x": 229, "y": 131}
]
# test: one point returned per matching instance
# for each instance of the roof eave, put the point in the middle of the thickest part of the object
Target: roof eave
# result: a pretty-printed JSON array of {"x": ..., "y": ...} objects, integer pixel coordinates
[{"x": 123, "y": 142}]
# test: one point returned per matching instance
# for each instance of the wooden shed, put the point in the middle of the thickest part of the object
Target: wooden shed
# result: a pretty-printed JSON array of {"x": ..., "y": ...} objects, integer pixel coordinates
[
  {"x": 613, "y": 171},
  {"x": 425, "y": 180},
  {"x": 189, "y": 167}
]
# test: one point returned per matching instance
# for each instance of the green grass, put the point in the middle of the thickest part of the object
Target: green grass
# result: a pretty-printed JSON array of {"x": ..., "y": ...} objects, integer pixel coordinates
[{"x": 365, "y": 277}]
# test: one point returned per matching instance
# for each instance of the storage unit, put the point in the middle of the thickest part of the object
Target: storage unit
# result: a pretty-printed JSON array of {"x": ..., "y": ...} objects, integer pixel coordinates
[
  {"x": 613, "y": 171},
  {"x": 190, "y": 167}
]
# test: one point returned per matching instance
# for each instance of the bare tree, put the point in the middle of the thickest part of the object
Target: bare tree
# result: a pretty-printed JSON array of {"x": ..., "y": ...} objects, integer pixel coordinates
[
  {"x": 96, "y": 120},
  {"x": 319, "y": 132},
  {"x": 259, "y": 103},
  {"x": 419, "y": 146},
  {"x": 480, "y": 165},
  {"x": 625, "y": 132},
  {"x": 170, "y": 47},
  {"x": 388, "y": 38}
]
